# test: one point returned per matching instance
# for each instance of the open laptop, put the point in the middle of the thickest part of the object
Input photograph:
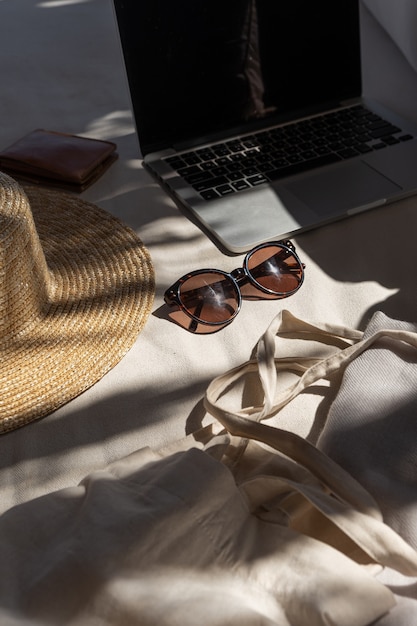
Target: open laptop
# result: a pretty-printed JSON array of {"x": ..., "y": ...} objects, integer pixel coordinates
[{"x": 249, "y": 113}]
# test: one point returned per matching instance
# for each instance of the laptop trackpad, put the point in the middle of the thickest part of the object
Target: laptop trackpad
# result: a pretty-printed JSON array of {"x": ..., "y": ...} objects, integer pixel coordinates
[{"x": 348, "y": 186}]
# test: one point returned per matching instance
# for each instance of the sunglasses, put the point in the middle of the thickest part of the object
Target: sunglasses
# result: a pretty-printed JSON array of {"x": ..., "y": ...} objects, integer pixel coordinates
[{"x": 207, "y": 300}]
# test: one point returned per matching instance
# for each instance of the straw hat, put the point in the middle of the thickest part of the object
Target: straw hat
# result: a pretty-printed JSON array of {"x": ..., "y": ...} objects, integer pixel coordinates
[{"x": 76, "y": 287}]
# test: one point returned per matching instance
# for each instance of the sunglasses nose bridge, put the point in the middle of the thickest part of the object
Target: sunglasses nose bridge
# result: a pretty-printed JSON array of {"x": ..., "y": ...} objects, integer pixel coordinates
[{"x": 239, "y": 274}]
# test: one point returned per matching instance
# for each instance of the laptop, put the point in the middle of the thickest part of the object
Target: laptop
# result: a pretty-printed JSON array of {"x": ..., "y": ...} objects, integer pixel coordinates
[{"x": 249, "y": 113}]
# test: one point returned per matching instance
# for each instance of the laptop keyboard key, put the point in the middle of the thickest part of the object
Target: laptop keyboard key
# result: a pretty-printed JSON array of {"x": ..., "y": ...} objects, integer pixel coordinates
[
  {"x": 390, "y": 141},
  {"x": 258, "y": 179},
  {"x": 188, "y": 171},
  {"x": 208, "y": 165},
  {"x": 384, "y": 131},
  {"x": 225, "y": 190},
  {"x": 363, "y": 148},
  {"x": 176, "y": 163},
  {"x": 239, "y": 185},
  {"x": 348, "y": 153},
  {"x": 205, "y": 154},
  {"x": 234, "y": 175},
  {"x": 199, "y": 177},
  {"x": 219, "y": 171},
  {"x": 192, "y": 158},
  {"x": 209, "y": 194},
  {"x": 211, "y": 182},
  {"x": 220, "y": 150}
]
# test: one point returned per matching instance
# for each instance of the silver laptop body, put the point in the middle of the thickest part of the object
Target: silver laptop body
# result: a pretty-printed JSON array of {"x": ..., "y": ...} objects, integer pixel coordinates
[{"x": 213, "y": 87}]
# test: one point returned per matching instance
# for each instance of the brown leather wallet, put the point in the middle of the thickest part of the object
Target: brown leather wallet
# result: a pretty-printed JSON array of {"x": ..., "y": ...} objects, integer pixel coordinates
[{"x": 58, "y": 159}]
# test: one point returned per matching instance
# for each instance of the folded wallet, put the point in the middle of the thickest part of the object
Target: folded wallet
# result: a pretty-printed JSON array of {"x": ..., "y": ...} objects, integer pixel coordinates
[{"x": 58, "y": 159}]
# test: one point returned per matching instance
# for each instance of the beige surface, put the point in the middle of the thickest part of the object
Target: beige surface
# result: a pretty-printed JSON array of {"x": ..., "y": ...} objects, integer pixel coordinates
[{"x": 61, "y": 69}]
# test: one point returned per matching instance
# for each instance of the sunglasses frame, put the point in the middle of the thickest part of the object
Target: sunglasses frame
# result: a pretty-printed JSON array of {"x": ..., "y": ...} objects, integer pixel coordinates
[{"x": 237, "y": 277}]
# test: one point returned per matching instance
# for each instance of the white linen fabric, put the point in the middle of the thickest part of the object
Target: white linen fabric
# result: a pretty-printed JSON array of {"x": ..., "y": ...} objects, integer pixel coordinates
[
  {"x": 172, "y": 541},
  {"x": 225, "y": 531},
  {"x": 371, "y": 431}
]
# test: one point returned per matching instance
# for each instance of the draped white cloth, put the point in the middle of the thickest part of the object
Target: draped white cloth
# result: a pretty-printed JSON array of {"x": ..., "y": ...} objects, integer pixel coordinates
[{"x": 236, "y": 532}]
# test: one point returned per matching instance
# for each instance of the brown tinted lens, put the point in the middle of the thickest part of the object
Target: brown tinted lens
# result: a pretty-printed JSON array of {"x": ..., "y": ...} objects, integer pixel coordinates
[
  {"x": 210, "y": 297},
  {"x": 275, "y": 269},
  {"x": 182, "y": 319}
]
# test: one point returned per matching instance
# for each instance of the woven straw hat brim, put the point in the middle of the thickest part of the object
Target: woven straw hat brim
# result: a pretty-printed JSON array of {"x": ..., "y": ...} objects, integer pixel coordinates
[{"x": 101, "y": 293}]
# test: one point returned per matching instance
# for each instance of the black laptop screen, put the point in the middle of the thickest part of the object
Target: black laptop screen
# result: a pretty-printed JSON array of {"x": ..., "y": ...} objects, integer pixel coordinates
[{"x": 198, "y": 67}]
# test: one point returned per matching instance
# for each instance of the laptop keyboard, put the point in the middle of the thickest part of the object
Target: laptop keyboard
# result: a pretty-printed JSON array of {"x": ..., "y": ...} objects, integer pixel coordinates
[{"x": 232, "y": 166}]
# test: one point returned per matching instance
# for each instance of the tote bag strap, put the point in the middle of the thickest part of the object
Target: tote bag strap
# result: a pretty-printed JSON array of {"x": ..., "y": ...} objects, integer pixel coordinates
[
  {"x": 246, "y": 422},
  {"x": 375, "y": 538},
  {"x": 348, "y": 505},
  {"x": 267, "y": 365}
]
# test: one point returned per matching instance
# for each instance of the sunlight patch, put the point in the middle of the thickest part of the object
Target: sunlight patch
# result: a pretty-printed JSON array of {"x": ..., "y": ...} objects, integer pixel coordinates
[
  {"x": 115, "y": 124},
  {"x": 134, "y": 164},
  {"x": 52, "y": 4}
]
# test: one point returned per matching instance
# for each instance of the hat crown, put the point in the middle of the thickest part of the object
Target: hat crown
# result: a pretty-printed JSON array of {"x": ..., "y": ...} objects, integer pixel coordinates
[
  {"x": 24, "y": 275},
  {"x": 76, "y": 287}
]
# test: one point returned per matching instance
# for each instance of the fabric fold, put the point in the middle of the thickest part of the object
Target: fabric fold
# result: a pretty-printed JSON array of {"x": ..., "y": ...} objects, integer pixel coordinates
[{"x": 245, "y": 523}]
